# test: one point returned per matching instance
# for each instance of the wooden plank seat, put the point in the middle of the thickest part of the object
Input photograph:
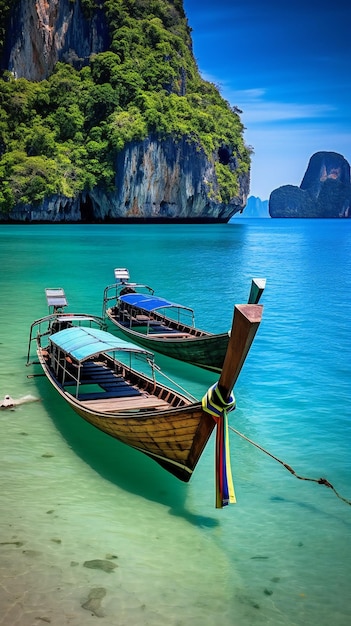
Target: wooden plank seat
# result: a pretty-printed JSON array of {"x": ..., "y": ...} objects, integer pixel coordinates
[
  {"x": 111, "y": 381},
  {"x": 89, "y": 365},
  {"x": 111, "y": 384},
  {"x": 160, "y": 328},
  {"x": 92, "y": 373},
  {"x": 125, "y": 392},
  {"x": 89, "y": 371},
  {"x": 142, "y": 318},
  {"x": 134, "y": 321},
  {"x": 101, "y": 376},
  {"x": 141, "y": 403},
  {"x": 174, "y": 335}
]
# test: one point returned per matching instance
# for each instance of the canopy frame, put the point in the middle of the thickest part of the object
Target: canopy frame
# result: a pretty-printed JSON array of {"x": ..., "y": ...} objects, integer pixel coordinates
[
  {"x": 139, "y": 306},
  {"x": 75, "y": 345}
]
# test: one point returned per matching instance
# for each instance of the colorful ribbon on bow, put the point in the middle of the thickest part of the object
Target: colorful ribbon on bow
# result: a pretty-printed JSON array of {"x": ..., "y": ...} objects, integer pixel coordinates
[{"x": 214, "y": 404}]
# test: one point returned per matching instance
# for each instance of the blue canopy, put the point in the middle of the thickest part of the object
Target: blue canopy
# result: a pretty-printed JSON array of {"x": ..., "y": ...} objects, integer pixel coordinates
[
  {"x": 82, "y": 343},
  {"x": 149, "y": 302}
]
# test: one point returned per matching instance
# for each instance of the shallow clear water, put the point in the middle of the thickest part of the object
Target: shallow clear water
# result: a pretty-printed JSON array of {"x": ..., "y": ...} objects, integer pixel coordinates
[{"x": 69, "y": 494}]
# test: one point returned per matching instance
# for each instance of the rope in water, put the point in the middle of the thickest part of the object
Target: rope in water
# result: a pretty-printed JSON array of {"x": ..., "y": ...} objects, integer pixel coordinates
[{"x": 320, "y": 481}]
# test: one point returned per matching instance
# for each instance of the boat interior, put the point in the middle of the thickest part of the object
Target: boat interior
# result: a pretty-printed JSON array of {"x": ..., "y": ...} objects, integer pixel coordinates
[
  {"x": 154, "y": 323},
  {"x": 100, "y": 382}
]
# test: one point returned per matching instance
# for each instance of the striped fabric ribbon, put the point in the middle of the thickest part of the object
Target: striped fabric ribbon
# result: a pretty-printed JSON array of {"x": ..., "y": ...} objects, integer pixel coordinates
[{"x": 214, "y": 404}]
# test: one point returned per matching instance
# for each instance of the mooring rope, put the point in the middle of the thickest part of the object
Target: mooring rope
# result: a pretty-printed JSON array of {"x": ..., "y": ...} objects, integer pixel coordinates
[{"x": 320, "y": 481}]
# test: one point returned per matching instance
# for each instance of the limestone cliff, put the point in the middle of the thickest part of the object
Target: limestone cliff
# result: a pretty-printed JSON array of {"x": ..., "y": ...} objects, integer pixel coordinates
[
  {"x": 325, "y": 190},
  {"x": 43, "y": 32},
  {"x": 100, "y": 145},
  {"x": 155, "y": 181}
]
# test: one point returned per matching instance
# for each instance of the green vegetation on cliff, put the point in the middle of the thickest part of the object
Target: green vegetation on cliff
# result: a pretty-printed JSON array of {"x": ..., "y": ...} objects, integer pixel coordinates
[{"x": 61, "y": 135}]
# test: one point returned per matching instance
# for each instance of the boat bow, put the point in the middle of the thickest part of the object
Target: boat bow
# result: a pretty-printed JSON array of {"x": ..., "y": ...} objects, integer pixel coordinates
[{"x": 220, "y": 399}]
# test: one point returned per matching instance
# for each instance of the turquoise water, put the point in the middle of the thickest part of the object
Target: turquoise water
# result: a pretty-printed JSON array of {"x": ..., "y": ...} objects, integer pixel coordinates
[{"x": 69, "y": 494}]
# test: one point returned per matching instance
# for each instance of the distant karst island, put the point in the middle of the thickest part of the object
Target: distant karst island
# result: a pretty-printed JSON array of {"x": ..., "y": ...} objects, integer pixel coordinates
[
  {"x": 325, "y": 191},
  {"x": 255, "y": 207}
]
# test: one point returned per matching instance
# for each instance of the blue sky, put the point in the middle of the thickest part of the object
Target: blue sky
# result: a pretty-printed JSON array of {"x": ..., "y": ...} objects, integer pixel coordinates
[{"x": 286, "y": 64}]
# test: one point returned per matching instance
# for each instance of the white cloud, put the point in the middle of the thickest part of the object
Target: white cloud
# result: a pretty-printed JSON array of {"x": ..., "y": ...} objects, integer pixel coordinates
[{"x": 258, "y": 109}]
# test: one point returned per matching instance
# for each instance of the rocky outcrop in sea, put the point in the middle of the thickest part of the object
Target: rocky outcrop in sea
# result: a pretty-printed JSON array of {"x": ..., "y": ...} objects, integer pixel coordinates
[{"x": 325, "y": 190}]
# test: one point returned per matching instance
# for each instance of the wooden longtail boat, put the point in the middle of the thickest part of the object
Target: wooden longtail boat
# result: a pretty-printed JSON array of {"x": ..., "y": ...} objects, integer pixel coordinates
[
  {"x": 163, "y": 326},
  {"x": 92, "y": 370}
]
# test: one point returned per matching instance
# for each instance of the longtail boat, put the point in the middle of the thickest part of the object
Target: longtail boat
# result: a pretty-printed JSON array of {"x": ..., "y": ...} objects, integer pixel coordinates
[
  {"x": 164, "y": 326},
  {"x": 94, "y": 372}
]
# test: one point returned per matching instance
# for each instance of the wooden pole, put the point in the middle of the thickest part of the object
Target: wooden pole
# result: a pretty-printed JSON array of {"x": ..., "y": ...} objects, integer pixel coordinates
[
  {"x": 246, "y": 320},
  {"x": 257, "y": 288}
]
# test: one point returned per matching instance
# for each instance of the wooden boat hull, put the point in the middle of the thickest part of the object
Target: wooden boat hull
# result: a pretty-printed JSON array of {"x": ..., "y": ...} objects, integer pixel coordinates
[
  {"x": 176, "y": 443},
  {"x": 174, "y": 439},
  {"x": 128, "y": 405},
  {"x": 207, "y": 352}
]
